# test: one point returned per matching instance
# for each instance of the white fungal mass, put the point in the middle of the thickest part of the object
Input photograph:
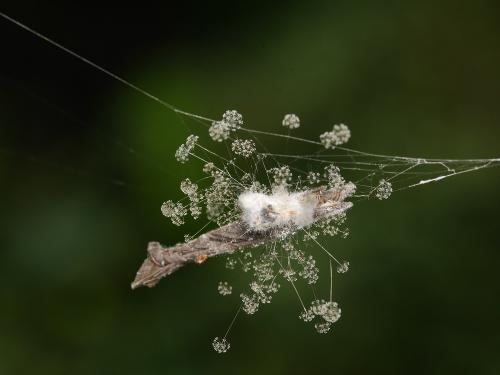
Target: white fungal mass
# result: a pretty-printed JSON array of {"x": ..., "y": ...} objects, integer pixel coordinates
[{"x": 262, "y": 212}]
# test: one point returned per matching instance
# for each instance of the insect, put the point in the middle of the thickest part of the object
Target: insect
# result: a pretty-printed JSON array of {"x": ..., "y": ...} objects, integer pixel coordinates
[{"x": 264, "y": 218}]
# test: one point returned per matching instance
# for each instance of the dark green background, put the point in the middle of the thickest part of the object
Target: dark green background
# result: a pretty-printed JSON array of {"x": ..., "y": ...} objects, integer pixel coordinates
[{"x": 86, "y": 162}]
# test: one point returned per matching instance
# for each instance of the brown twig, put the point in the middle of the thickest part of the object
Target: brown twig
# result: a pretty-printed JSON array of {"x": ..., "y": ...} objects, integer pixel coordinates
[{"x": 162, "y": 261}]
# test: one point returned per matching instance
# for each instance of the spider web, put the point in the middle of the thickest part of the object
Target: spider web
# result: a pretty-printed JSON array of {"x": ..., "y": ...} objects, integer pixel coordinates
[
  {"x": 365, "y": 169},
  {"x": 403, "y": 172}
]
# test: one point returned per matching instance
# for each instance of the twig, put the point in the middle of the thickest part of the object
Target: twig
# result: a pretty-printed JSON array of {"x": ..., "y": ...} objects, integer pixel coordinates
[{"x": 162, "y": 261}]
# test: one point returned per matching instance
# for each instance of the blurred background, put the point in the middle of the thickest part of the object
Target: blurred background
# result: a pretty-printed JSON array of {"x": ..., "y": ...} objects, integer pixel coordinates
[{"x": 85, "y": 164}]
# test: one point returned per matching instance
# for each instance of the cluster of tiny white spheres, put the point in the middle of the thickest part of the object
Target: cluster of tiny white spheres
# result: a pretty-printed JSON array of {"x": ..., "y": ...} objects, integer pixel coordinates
[
  {"x": 327, "y": 312},
  {"x": 244, "y": 148},
  {"x": 221, "y": 345},
  {"x": 291, "y": 121},
  {"x": 220, "y": 130},
  {"x": 339, "y": 135},
  {"x": 384, "y": 189},
  {"x": 224, "y": 288}
]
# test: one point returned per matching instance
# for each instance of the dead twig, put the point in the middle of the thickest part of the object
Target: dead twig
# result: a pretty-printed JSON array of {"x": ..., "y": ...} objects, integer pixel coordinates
[{"x": 162, "y": 261}]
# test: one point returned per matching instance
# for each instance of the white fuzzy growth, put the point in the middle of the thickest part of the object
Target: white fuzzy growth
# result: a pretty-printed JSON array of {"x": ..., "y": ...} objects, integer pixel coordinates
[{"x": 263, "y": 212}]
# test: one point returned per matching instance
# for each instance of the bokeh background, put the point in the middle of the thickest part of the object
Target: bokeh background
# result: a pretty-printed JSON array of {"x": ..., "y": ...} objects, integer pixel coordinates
[{"x": 85, "y": 164}]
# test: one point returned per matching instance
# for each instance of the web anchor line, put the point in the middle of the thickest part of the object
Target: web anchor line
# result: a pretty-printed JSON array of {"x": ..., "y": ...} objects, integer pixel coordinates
[{"x": 402, "y": 159}]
